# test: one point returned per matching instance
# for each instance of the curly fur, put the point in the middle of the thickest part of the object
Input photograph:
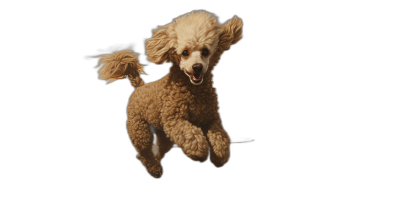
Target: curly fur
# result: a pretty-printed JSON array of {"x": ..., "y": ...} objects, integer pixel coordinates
[
  {"x": 181, "y": 111},
  {"x": 120, "y": 65}
]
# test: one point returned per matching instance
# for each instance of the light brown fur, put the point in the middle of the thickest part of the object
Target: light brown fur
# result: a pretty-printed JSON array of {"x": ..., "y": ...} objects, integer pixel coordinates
[{"x": 182, "y": 112}]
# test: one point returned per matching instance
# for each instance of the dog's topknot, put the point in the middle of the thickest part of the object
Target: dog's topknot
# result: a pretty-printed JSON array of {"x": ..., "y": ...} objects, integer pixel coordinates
[{"x": 189, "y": 29}]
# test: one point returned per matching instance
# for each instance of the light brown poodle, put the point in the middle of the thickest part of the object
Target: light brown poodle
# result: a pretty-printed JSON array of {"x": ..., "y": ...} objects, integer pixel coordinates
[{"x": 181, "y": 107}]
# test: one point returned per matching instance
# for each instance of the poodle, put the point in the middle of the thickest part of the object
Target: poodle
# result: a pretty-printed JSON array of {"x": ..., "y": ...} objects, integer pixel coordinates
[{"x": 181, "y": 107}]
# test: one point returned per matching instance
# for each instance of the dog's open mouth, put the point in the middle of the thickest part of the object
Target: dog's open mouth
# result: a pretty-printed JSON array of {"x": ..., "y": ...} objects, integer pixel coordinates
[{"x": 195, "y": 78}]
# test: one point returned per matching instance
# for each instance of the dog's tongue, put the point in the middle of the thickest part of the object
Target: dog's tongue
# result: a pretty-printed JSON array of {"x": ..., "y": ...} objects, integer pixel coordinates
[{"x": 197, "y": 76}]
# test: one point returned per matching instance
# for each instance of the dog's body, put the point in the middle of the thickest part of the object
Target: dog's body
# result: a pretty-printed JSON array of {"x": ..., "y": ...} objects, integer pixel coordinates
[{"x": 183, "y": 105}]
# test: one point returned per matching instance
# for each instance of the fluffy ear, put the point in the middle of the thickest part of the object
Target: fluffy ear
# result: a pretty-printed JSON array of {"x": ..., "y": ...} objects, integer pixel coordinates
[
  {"x": 231, "y": 34},
  {"x": 157, "y": 47}
]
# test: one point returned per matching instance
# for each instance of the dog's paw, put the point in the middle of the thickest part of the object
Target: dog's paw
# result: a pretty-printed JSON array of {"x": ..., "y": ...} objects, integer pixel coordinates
[
  {"x": 199, "y": 157},
  {"x": 156, "y": 173},
  {"x": 219, "y": 158},
  {"x": 156, "y": 170},
  {"x": 218, "y": 162},
  {"x": 198, "y": 150}
]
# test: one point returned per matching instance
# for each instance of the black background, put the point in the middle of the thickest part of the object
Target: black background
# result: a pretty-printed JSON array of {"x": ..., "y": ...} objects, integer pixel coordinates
[{"x": 271, "y": 88}]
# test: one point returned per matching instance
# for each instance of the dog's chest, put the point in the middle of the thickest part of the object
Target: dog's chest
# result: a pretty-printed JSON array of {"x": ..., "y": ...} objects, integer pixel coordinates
[{"x": 202, "y": 110}]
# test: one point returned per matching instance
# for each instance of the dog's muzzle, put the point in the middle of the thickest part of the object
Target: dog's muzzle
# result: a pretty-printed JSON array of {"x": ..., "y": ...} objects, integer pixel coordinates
[{"x": 195, "y": 78}]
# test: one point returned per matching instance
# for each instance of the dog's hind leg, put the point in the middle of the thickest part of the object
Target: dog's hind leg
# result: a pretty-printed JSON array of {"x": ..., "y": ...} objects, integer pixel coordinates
[
  {"x": 164, "y": 144},
  {"x": 142, "y": 139}
]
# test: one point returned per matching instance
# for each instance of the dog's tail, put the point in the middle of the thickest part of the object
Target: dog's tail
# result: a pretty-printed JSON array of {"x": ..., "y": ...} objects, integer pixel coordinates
[{"x": 120, "y": 64}]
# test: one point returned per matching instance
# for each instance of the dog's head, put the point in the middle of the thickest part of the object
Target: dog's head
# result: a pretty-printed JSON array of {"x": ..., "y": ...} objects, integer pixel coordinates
[{"x": 193, "y": 41}]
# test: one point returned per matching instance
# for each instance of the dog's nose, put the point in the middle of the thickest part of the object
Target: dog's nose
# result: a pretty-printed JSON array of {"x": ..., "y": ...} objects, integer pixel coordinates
[{"x": 197, "y": 67}]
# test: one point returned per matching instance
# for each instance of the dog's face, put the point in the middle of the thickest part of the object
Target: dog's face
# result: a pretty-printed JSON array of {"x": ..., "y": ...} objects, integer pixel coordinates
[
  {"x": 197, "y": 36},
  {"x": 194, "y": 60},
  {"x": 191, "y": 41}
]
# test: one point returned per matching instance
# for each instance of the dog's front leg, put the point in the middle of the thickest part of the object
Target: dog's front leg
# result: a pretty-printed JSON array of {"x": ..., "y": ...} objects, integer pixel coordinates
[
  {"x": 219, "y": 143},
  {"x": 189, "y": 137}
]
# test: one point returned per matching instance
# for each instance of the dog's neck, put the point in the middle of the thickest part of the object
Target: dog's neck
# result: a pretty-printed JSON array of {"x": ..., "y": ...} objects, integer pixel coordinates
[{"x": 177, "y": 78}]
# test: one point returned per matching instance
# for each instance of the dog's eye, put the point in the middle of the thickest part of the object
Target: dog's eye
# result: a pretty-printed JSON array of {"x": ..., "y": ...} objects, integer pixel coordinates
[
  {"x": 205, "y": 52},
  {"x": 185, "y": 53}
]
